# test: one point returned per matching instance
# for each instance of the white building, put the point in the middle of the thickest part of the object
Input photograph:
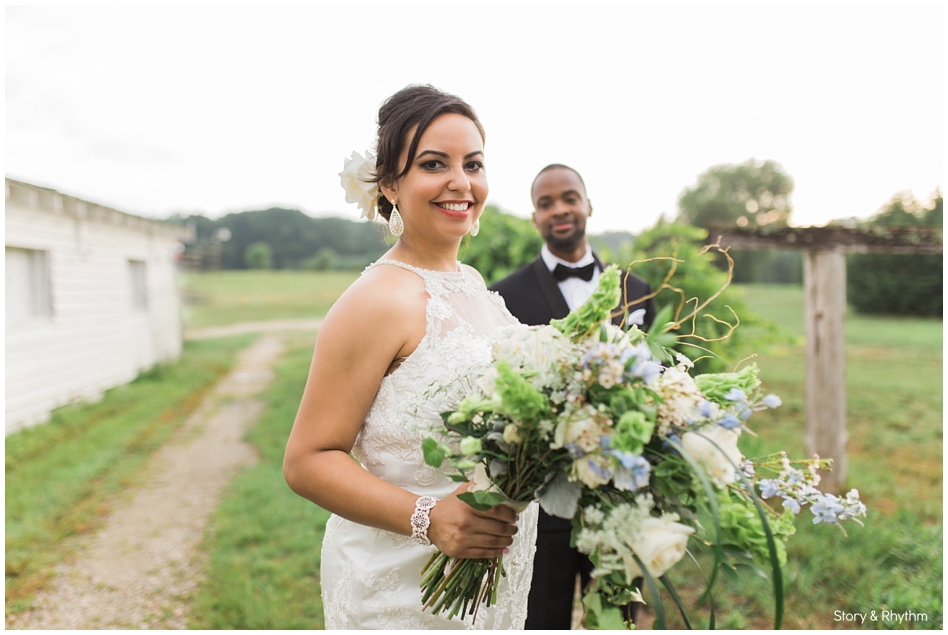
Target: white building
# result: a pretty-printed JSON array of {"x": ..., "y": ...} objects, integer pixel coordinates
[{"x": 91, "y": 299}]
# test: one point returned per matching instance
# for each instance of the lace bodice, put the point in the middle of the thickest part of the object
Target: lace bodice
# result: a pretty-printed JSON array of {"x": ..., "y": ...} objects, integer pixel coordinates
[{"x": 372, "y": 578}]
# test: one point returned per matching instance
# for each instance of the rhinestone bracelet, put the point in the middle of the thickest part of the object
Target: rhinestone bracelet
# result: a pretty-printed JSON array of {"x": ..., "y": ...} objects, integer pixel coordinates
[{"x": 420, "y": 520}]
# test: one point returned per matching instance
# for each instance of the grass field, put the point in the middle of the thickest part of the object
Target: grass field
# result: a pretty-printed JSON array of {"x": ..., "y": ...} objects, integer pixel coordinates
[
  {"x": 229, "y": 297},
  {"x": 264, "y": 541}
]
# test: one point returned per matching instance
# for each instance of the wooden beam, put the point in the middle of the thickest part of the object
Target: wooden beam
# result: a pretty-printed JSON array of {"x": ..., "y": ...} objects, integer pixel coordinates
[
  {"x": 908, "y": 239},
  {"x": 824, "y": 280}
]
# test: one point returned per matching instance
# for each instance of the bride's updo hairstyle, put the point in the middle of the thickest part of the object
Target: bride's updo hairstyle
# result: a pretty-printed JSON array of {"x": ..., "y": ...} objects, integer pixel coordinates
[{"x": 411, "y": 105}]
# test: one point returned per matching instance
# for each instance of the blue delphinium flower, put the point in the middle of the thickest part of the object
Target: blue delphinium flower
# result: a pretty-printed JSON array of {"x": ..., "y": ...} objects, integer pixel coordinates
[
  {"x": 633, "y": 474},
  {"x": 730, "y": 421},
  {"x": 768, "y": 488},
  {"x": 574, "y": 450},
  {"x": 792, "y": 505},
  {"x": 772, "y": 401},
  {"x": 704, "y": 408},
  {"x": 641, "y": 471},
  {"x": 601, "y": 472},
  {"x": 826, "y": 509},
  {"x": 736, "y": 394}
]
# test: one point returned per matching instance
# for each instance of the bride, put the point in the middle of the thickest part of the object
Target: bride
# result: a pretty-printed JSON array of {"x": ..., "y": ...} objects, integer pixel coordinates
[{"x": 398, "y": 347}]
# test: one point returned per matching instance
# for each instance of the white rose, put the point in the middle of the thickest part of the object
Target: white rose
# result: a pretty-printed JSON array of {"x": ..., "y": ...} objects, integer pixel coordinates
[
  {"x": 356, "y": 176},
  {"x": 718, "y": 463},
  {"x": 660, "y": 543}
]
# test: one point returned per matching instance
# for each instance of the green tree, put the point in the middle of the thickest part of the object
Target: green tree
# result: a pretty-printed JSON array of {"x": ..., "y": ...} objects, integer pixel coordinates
[
  {"x": 906, "y": 284},
  {"x": 504, "y": 244},
  {"x": 752, "y": 194},
  {"x": 258, "y": 255}
]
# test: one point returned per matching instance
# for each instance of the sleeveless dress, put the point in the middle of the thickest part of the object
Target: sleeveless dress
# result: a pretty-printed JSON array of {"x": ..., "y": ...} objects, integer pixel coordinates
[{"x": 370, "y": 577}]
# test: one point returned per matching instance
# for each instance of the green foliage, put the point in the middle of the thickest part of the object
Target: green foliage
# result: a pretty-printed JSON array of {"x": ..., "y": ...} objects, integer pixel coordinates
[
  {"x": 60, "y": 475},
  {"x": 263, "y": 540},
  {"x": 505, "y": 243},
  {"x": 901, "y": 284},
  {"x": 697, "y": 277},
  {"x": 258, "y": 255}
]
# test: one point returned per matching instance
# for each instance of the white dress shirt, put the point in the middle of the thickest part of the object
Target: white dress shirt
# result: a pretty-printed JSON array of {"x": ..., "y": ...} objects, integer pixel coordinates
[{"x": 575, "y": 290}]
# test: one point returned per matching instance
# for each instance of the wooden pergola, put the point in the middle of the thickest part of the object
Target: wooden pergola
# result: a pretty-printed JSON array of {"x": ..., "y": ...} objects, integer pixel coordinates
[{"x": 824, "y": 282}]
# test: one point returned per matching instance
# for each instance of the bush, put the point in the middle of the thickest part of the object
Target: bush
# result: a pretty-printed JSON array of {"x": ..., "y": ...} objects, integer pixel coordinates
[
  {"x": 697, "y": 277},
  {"x": 258, "y": 255},
  {"x": 504, "y": 244}
]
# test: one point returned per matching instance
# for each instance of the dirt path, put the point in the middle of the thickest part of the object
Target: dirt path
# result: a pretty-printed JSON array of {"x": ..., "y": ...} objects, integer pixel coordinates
[{"x": 141, "y": 569}]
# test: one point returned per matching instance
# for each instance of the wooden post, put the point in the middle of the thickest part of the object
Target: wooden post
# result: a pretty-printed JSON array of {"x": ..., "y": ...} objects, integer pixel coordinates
[{"x": 824, "y": 280}]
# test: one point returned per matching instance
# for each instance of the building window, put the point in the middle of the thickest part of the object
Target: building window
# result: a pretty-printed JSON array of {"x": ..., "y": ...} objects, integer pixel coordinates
[
  {"x": 139, "y": 292},
  {"x": 27, "y": 280}
]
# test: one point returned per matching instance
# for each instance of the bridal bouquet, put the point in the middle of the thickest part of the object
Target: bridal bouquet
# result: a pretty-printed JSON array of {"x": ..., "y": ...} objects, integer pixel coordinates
[{"x": 585, "y": 418}]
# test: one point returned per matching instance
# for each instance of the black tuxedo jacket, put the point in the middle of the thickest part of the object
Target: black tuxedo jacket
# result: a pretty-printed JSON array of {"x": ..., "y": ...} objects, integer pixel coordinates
[{"x": 533, "y": 296}]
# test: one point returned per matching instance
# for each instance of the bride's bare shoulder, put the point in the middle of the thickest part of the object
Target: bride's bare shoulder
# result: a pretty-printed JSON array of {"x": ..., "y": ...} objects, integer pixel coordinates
[
  {"x": 474, "y": 273},
  {"x": 383, "y": 296}
]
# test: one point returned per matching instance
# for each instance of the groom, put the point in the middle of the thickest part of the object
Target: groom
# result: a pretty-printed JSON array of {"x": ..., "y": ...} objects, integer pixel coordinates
[{"x": 562, "y": 278}]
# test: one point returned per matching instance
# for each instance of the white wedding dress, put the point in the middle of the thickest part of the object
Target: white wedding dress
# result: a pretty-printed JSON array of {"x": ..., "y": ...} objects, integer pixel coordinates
[{"x": 370, "y": 577}]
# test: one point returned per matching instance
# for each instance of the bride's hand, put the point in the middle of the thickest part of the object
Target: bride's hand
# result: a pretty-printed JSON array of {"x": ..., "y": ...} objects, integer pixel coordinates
[{"x": 460, "y": 531}]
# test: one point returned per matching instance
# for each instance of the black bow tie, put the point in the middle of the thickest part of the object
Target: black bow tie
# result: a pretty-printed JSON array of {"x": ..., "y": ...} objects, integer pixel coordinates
[{"x": 562, "y": 272}]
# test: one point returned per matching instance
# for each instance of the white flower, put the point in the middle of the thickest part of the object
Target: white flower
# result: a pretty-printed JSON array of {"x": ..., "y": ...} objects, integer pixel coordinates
[
  {"x": 580, "y": 426},
  {"x": 718, "y": 463},
  {"x": 487, "y": 381},
  {"x": 660, "y": 543},
  {"x": 684, "y": 363},
  {"x": 680, "y": 399},
  {"x": 534, "y": 349},
  {"x": 356, "y": 176}
]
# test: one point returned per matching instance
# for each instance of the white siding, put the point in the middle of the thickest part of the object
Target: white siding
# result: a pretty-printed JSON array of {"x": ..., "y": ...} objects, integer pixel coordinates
[{"x": 94, "y": 337}]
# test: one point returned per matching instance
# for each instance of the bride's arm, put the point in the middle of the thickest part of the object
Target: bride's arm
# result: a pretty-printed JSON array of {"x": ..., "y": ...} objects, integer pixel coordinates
[{"x": 376, "y": 321}]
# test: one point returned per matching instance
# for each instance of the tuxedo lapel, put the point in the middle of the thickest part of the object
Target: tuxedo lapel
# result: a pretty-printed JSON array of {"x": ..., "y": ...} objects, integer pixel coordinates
[{"x": 551, "y": 291}]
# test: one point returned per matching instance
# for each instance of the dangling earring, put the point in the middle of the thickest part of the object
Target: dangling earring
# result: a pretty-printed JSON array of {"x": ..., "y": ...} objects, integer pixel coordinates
[
  {"x": 395, "y": 224},
  {"x": 476, "y": 227}
]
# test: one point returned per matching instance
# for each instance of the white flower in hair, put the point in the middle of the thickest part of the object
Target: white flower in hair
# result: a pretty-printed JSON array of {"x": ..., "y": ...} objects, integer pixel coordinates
[{"x": 357, "y": 175}]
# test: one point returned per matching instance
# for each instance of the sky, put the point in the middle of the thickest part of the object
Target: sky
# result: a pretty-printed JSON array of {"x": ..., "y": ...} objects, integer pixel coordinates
[{"x": 215, "y": 109}]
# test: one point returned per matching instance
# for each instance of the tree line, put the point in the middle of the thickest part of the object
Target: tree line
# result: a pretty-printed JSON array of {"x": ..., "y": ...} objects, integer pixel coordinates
[{"x": 753, "y": 193}]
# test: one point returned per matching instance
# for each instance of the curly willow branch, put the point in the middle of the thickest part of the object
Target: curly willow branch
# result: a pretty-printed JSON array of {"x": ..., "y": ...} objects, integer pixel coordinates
[
  {"x": 730, "y": 275},
  {"x": 623, "y": 308}
]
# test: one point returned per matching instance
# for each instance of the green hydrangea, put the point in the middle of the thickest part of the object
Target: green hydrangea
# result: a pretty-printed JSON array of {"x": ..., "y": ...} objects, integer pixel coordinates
[{"x": 517, "y": 398}]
